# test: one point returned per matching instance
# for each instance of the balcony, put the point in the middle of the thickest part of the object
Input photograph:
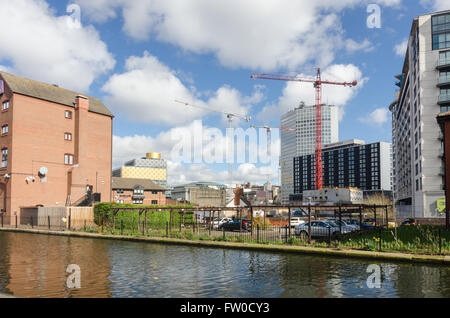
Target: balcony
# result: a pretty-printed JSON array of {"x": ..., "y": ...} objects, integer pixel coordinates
[
  {"x": 442, "y": 172},
  {"x": 443, "y": 81},
  {"x": 444, "y": 99},
  {"x": 443, "y": 64}
]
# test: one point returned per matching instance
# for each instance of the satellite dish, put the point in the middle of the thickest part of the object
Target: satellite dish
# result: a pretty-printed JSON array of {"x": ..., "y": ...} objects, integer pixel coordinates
[{"x": 43, "y": 171}]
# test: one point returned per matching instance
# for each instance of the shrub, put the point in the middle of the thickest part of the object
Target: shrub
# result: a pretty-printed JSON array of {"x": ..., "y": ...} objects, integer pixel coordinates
[{"x": 155, "y": 219}]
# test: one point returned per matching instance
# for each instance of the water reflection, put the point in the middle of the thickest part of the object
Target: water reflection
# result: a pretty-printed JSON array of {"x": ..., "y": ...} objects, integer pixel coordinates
[{"x": 35, "y": 266}]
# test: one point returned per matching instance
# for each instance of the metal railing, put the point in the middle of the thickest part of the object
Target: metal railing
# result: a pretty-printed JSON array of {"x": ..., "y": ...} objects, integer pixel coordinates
[{"x": 372, "y": 235}]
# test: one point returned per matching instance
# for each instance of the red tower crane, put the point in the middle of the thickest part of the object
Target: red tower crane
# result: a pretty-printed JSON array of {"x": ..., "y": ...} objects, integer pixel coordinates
[{"x": 317, "y": 83}]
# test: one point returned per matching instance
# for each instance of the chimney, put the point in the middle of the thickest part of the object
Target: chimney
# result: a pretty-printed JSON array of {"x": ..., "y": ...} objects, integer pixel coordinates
[
  {"x": 238, "y": 192},
  {"x": 82, "y": 102},
  {"x": 81, "y": 128}
]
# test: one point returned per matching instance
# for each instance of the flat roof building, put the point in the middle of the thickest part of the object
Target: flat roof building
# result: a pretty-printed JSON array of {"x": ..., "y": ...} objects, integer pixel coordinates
[
  {"x": 303, "y": 141},
  {"x": 201, "y": 194},
  {"x": 56, "y": 146},
  {"x": 347, "y": 164},
  {"x": 424, "y": 92}
]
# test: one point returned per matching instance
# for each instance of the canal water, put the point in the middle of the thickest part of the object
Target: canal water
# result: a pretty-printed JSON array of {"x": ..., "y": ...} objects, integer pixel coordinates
[{"x": 35, "y": 266}]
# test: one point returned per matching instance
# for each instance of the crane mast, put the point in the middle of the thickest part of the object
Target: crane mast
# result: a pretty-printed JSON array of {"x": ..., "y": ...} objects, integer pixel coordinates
[{"x": 317, "y": 82}]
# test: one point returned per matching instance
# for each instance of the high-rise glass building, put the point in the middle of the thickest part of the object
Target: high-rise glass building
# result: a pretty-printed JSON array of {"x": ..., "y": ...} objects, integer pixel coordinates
[
  {"x": 303, "y": 140},
  {"x": 424, "y": 92},
  {"x": 351, "y": 163}
]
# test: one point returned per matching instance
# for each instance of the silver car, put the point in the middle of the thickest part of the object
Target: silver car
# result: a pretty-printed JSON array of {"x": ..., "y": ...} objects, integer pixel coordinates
[
  {"x": 346, "y": 228},
  {"x": 318, "y": 229}
]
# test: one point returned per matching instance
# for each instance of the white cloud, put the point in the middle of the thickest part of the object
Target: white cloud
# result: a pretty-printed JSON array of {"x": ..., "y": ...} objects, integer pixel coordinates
[
  {"x": 296, "y": 92},
  {"x": 241, "y": 33},
  {"x": 436, "y": 5},
  {"x": 45, "y": 47},
  {"x": 353, "y": 46},
  {"x": 181, "y": 174},
  {"x": 378, "y": 117},
  {"x": 401, "y": 48},
  {"x": 147, "y": 90}
]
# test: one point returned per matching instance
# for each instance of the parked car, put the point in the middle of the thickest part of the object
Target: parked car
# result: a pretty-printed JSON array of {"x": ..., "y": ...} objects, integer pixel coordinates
[
  {"x": 318, "y": 229},
  {"x": 217, "y": 222},
  {"x": 346, "y": 228},
  {"x": 357, "y": 224},
  {"x": 300, "y": 213},
  {"x": 409, "y": 222},
  {"x": 296, "y": 221},
  {"x": 370, "y": 222},
  {"x": 235, "y": 225}
]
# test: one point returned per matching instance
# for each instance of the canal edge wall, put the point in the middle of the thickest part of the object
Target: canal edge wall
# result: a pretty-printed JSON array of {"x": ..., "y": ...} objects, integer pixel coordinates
[{"x": 342, "y": 253}]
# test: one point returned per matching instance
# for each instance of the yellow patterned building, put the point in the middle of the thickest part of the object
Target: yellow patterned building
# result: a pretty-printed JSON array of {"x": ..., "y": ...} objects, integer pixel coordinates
[{"x": 152, "y": 167}]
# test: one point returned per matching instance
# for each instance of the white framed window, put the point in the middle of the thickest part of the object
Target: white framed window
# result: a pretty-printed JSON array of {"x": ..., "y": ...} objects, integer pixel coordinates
[
  {"x": 4, "y": 157},
  {"x": 68, "y": 114},
  {"x": 5, "y": 105},
  {"x": 4, "y": 129},
  {"x": 68, "y": 136},
  {"x": 68, "y": 159}
]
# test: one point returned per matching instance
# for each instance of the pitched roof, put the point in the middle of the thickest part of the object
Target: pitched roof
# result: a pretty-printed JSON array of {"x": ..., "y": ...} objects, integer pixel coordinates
[
  {"x": 28, "y": 87},
  {"x": 130, "y": 184}
]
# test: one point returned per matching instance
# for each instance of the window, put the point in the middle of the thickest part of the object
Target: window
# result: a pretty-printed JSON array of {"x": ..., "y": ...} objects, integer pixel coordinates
[
  {"x": 120, "y": 191},
  {"x": 444, "y": 57},
  {"x": 68, "y": 159},
  {"x": 5, "y": 105},
  {"x": 154, "y": 192},
  {"x": 4, "y": 129},
  {"x": 68, "y": 136},
  {"x": 441, "y": 31},
  {"x": 138, "y": 191},
  {"x": 154, "y": 202},
  {"x": 68, "y": 114},
  {"x": 138, "y": 201},
  {"x": 4, "y": 157}
]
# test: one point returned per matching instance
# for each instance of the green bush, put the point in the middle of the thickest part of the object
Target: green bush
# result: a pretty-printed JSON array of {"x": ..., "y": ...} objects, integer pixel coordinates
[{"x": 155, "y": 219}]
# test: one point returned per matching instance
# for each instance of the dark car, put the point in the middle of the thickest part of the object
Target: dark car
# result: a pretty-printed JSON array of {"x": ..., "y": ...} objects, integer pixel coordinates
[
  {"x": 367, "y": 223},
  {"x": 299, "y": 213},
  {"x": 409, "y": 222},
  {"x": 236, "y": 225},
  {"x": 356, "y": 223}
]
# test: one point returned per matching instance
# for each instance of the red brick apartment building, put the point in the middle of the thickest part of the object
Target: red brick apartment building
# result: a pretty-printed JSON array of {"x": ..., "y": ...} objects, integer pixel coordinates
[
  {"x": 55, "y": 145},
  {"x": 138, "y": 191}
]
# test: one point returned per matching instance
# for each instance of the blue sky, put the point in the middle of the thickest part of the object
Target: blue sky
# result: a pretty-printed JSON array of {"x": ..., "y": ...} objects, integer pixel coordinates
[{"x": 138, "y": 56}]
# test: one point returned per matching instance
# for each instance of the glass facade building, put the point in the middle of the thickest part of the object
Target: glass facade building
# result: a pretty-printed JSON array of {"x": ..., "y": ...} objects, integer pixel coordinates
[
  {"x": 347, "y": 164},
  {"x": 303, "y": 140}
]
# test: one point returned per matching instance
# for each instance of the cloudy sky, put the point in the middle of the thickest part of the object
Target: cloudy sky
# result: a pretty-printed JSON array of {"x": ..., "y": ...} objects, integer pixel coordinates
[{"x": 138, "y": 56}]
